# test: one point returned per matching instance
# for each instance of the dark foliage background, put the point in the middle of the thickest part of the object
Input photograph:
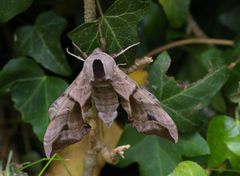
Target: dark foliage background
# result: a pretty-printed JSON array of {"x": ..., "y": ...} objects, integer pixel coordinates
[{"x": 197, "y": 84}]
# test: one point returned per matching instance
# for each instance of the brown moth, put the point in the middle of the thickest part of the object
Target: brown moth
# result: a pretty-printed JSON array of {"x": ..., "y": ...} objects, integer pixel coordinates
[{"x": 102, "y": 82}]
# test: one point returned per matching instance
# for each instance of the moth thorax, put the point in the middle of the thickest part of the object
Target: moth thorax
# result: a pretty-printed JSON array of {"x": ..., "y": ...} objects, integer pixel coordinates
[{"x": 98, "y": 69}]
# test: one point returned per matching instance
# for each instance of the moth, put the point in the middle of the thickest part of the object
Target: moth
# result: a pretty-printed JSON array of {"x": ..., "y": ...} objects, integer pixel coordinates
[{"x": 103, "y": 84}]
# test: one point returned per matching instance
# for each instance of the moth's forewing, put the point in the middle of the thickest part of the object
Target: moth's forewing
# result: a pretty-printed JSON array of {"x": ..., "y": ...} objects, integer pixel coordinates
[
  {"x": 80, "y": 91},
  {"x": 143, "y": 109},
  {"x": 124, "y": 87},
  {"x": 68, "y": 116}
]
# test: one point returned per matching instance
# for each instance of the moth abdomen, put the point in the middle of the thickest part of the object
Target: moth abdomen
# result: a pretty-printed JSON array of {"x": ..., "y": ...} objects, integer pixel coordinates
[
  {"x": 106, "y": 102},
  {"x": 107, "y": 117}
]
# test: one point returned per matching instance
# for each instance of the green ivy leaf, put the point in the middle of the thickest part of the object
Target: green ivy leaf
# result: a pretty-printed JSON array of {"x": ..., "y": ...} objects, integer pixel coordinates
[
  {"x": 233, "y": 144},
  {"x": 118, "y": 25},
  {"x": 18, "y": 69},
  {"x": 194, "y": 67},
  {"x": 42, "y": 42},
  {"x": 188, "y": 168},
  {"x": 181, "y": 102},
  {"x": 221, "y": 131},
  {"x": 192, "y": 145},
  {"x": 235, "y": 96},
  {"x": 10, "y": 8},
  {"x": 176, "y": 11},
  {"x": 157, "y": 156},
  {"x": 154, "y": 155},
  {"x": 32, "y": 91},
  {"x": 197, "y": 64},
  {"x": 210, "y": 57}
]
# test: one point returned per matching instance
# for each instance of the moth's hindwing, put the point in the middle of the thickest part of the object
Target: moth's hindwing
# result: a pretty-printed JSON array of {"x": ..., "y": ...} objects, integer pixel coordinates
[{"x": 148, "y": 116}]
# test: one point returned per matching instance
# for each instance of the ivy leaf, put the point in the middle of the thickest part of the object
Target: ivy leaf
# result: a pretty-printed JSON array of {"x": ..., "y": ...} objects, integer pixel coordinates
[
  {"x": 176, "y": 11},
  {"x": 157, "y": 156},
  {"x": 181, "y": 102},
  {"x": 10, "y": 8},
  {"x": 233, "y": 144},
  {"x": 154, "y": 155},
  {"x": 18, "y": 69},
  {"x": 118, "y": 25},
  {"x": 188, "y": 168},
  {"x": 197, "y": 64},
  {"x": 192, "y": 145},
  {"x": 220, "y": 135},
  {"x": 32, "y": 91},
  {"x": 42, "y": 42},
  {"x": 235, "y": 96}
]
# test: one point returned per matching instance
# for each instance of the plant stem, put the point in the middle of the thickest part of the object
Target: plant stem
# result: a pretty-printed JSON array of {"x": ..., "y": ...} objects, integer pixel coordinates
[
  {"x": 48, "y": 163},
  {"x": 89, "y": 10},
  {"x": 209, "y": 41},
  {"x": 8, "y": 171},
  {"x": 90, "y": 160},
  {"x": 37, "y": 162}
]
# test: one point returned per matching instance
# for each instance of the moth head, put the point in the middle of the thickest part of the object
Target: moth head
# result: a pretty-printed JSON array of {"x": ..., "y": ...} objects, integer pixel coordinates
[{"x": 100, "y": 66}]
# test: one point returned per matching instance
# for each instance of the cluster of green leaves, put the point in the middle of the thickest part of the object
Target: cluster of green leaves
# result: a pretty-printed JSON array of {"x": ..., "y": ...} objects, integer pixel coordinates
[{"x": 204, "y": 101}]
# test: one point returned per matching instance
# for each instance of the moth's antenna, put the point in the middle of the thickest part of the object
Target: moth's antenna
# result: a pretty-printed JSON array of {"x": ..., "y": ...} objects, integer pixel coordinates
[
  {"x": 78, "y": 57},
  {"x": 84, "y": 55},
  {"x": 123, "y": 51}
]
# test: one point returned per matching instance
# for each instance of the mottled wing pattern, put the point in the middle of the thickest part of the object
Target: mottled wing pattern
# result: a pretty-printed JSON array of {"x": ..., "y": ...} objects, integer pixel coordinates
[
  {"x": 80, "y": 91},
  {"x": 148, "y": 116},
  {"x": 66, "y": 126},
  {"x": 124, "y": 87}
]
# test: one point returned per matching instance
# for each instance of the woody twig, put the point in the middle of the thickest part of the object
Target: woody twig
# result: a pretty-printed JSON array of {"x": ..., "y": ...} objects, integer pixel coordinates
[
  {"x": 191, "y": 41},
  {"x": 96, "y": 147},
  {"x": 89, "y": 10}
]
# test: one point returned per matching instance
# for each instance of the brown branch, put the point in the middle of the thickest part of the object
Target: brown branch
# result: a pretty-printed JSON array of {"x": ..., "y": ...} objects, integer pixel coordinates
[
  {"x": 90, "y": 160},
  {"x": 209, "y": 41},
  {"x": 96, "y": 147},
  {"x": 89, "y": 10},
  {"x": 139, "y": 63},
  {"x": 233, "y": 64}
]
